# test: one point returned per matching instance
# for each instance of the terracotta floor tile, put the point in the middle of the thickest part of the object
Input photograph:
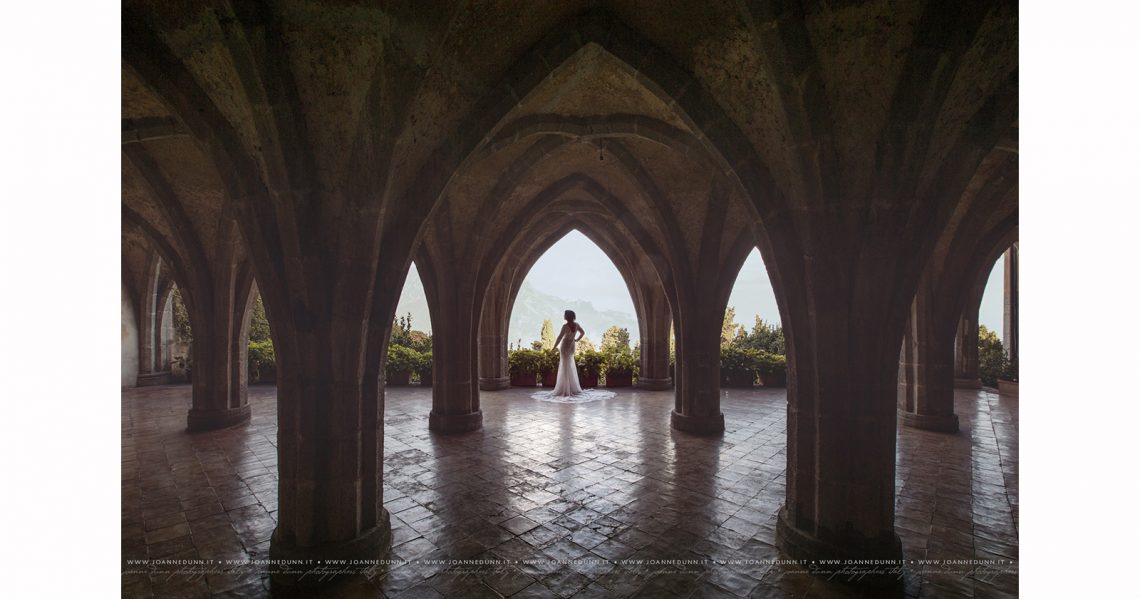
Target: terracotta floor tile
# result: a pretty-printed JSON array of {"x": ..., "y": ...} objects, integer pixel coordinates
[{"x": 579, "y": 487}]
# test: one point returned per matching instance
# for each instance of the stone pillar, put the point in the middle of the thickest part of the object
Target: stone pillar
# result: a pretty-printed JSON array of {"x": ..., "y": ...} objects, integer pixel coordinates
[
  {"x": 454, "y": 391},
  {"x": 655, "y": 324},
  {"x": 697, "y": 405},
  {"x": 926, "y": 372},
  {"x": 1010, "y": 332},
  {"x": 455, "y": 342},
  {"x": 843, "y": 352},
  {"x": 219, "y": 374},
  {"x": 966, "y": 353},
  {"x": 330, "y": 441},
  {"x": 493, "y": 373}
]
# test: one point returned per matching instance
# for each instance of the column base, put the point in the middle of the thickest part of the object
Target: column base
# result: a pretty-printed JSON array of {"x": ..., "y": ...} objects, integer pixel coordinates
[
  {"x": 974, "y": 383},
  {"x": 494, "y": 384},
  {"x": 455, "y": 423},
  {"x": 942, "y": 423},
  {"x": 698, "y": 425},
  {"x": 150, "y": 379},
  {"x": 369, "y": 547},
  {"x": 209, "y": 420},
  {"x": 654, "y": 384},
  {"x": 798, "y": 544}
]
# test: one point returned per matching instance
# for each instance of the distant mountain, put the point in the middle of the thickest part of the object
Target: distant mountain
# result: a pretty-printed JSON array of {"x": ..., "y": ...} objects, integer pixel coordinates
[
  {"x": 531, "y": 308},
  {"x": 534, "y": 306}
]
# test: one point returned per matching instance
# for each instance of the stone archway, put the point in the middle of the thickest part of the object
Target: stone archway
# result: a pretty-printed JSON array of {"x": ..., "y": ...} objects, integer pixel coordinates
[
  {"x": 949, "y": 293},
  {"x": 649, "y": 299},
  {"x": 845, "y": 175}
]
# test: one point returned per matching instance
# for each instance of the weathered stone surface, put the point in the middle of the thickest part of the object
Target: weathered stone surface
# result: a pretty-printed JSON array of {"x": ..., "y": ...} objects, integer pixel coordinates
[{"x": 869, "y": 152}]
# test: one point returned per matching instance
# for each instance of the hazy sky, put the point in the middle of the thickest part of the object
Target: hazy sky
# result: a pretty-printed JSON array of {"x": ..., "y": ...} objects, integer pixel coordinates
[{"x": 576, "y": 269}]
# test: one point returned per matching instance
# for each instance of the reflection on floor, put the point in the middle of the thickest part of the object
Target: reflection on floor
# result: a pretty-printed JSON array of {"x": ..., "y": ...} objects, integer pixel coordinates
[{"x": 572, "y": 489}]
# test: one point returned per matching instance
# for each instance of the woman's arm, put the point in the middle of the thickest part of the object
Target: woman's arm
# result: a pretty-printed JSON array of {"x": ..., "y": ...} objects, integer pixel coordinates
[
  {"x": 561, "y": 334},
  {"x": 581, "y": 333}
]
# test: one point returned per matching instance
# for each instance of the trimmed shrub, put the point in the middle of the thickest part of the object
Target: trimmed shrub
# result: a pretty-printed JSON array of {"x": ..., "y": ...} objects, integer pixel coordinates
[{"x": 261, "y": 360}]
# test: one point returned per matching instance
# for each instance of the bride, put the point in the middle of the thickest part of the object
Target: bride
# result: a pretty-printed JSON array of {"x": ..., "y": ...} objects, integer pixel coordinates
[{"x": 566, "y": 386}]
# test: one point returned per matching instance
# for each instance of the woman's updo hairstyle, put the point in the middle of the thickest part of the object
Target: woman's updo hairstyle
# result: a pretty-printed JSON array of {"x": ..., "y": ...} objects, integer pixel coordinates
[{"x": 569, "y": 315}]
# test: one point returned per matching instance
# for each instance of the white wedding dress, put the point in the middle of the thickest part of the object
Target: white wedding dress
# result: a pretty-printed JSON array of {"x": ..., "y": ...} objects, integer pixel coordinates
[{"x": 567, "y": 389}]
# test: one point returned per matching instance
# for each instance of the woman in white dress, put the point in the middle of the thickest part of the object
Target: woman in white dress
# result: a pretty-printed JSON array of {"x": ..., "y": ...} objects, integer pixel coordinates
[
  {"x": 567, "y": 382},
  {"x": 566, "y": 386}
]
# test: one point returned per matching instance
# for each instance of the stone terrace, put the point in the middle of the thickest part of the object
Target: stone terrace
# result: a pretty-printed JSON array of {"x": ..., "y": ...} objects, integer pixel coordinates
[{"x": 574, "y": 487}]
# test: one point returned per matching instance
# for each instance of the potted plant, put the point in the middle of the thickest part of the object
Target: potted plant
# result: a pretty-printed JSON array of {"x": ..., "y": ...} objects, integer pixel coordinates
[
  {"x": 261, "y": 362},
  {"x": 590, "y": 363},
  {"x": 400, "y": 364},
  {"x": 524, "y": 365},
  {"x": 1007, "y": 382},
  {"x": 423, "y": 369},
  {"x": 548, "y": 368},
  {"x": 773, "y": 369},
  {"x": 620, "y": 367},
  {"x": 738, "y": 366}
]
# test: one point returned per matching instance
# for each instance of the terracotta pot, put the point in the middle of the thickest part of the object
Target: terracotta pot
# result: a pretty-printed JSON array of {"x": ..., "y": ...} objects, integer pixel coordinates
[
  {"x": 775, "y": 379},
  {"x": 549, "y": 379},
  {"x": 425, "y": 379},
  {"x": 587, "y": 381},
  {"x": 1007, "y": 388},
  {"x": 614, "y": 379},
  {"x": 524, "y": 380},
  {"x": 400, "y": 379}
]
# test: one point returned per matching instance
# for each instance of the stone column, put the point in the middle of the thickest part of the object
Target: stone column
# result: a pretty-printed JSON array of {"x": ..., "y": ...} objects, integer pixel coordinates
[
  {"x": 966, "y": 353},
  {"x": 493, "y": 373},
  {"x": 655, "y": 342},
  {"x": 843, "y": 351},
  {"x": 330, "y": 413},
  {"x": 454, "y": 391},
  {"x": 330, "y": 440},
  {"x": 455, "y": 342},
  {"x": 697, "y": 404},
  {"x": 1010, "y": 331},
  {"x": 926, "y": 379},
  {"x": 219, "y": 374}
]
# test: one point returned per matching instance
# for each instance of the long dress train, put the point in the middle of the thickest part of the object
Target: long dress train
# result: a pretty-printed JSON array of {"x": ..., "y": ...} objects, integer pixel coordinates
[{"x": 567, "y": 388}]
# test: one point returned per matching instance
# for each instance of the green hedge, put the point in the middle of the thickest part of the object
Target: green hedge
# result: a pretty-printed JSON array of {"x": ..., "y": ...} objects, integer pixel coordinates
[
  {"x": 401, "y": 359},
  {"x": 590, "y": 362},
  {"x": 739, "y": 362},
  {"x": 525, "y": 361},
  {"x": 260, "y": 358},
  {"x": 620, "y": 363}
]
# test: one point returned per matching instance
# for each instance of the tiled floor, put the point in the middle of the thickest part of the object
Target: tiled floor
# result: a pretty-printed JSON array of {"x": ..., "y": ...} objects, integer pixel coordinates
[{"x": 572, "y": 487}]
